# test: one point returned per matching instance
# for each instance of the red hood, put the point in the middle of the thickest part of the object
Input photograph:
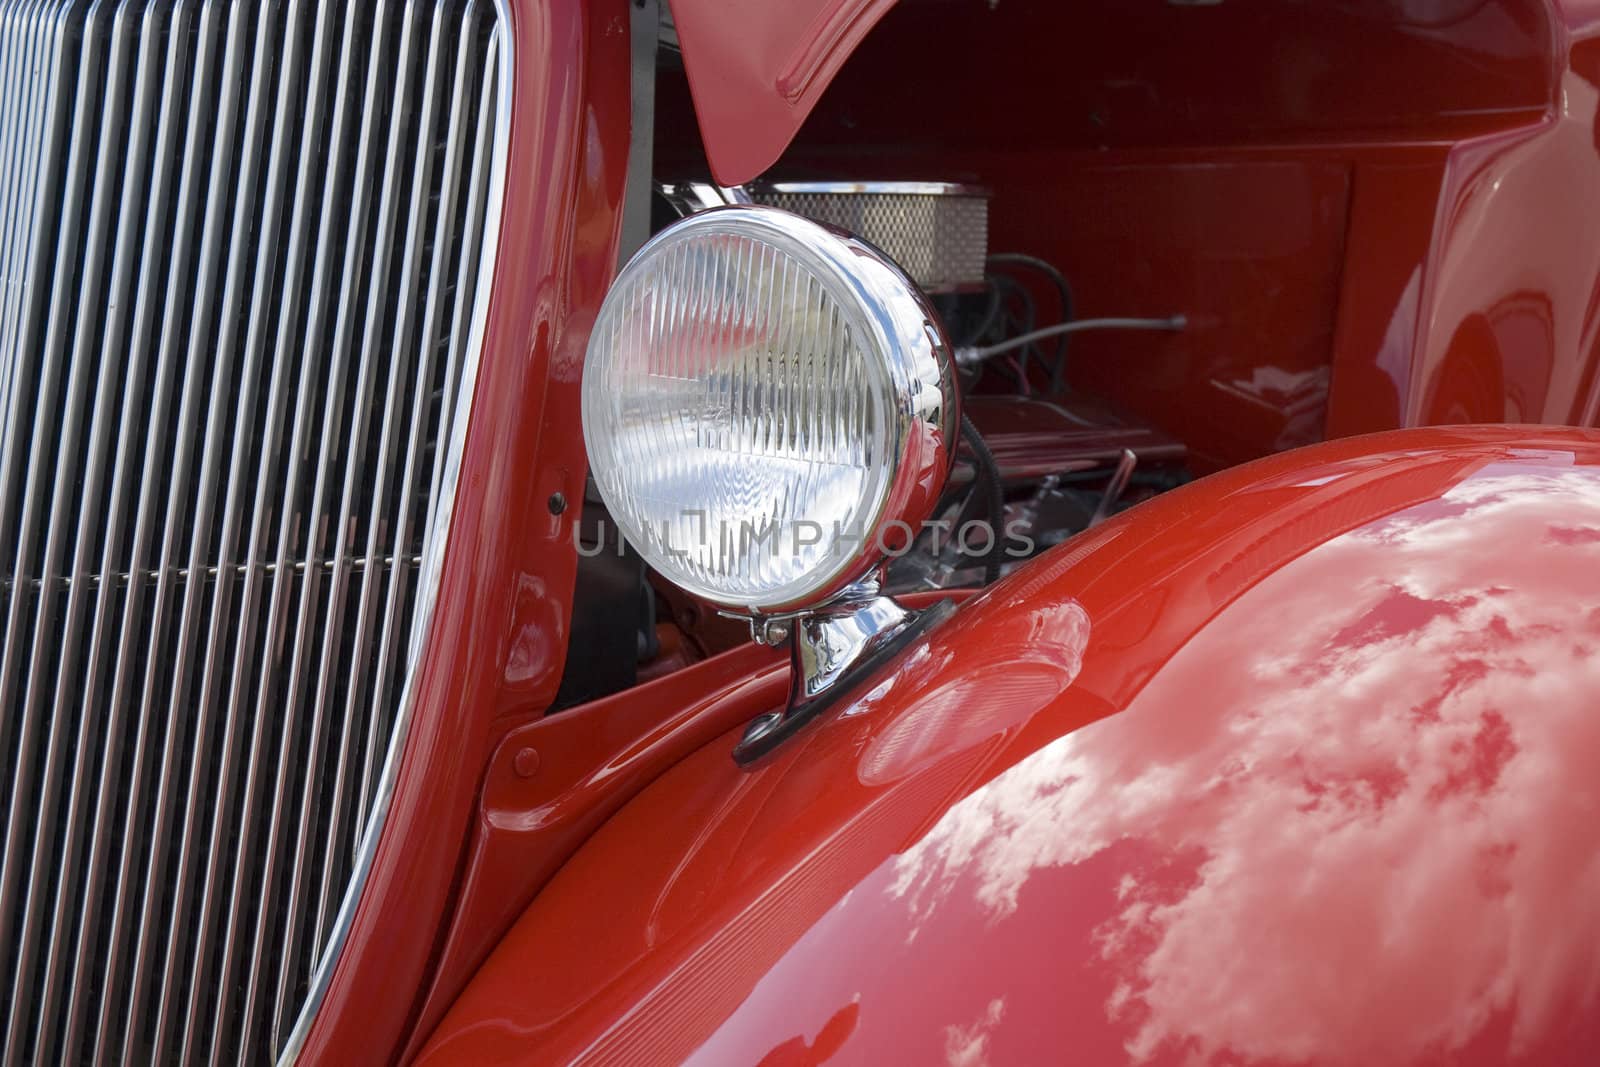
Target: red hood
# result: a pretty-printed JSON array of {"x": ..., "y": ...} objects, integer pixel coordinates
[{"x": 757, "y": 69}]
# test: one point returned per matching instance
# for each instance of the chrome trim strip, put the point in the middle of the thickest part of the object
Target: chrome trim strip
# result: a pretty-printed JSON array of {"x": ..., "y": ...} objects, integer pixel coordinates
[
  {"x": 501, "y": 70},
  {"x": 873, "y": 188},
  {"x": 687, "y": 198}
]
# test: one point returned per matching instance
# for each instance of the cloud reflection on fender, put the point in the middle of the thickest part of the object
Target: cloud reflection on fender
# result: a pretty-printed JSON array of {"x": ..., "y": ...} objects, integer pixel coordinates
[
  {"x": 1379, "y": 836},
  {"x": 1029, "y": 658}
]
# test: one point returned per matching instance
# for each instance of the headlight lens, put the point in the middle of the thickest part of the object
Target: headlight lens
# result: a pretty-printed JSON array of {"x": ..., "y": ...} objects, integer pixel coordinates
[{"x": 762, "y": 397}]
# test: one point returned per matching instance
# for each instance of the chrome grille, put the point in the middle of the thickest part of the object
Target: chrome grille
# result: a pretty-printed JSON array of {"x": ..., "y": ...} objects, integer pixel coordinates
[{"x": 242, "y": 252}]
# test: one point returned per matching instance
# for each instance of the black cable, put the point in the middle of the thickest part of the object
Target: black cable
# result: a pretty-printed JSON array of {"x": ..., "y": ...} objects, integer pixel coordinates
[
  {"x": 1063, "y": 290},
  {"x": 997, "y": 500},
  {"x": 990, "y": 313},
  {"x": 985, "y": 328},
  {"x": 1012, "y": 325}
]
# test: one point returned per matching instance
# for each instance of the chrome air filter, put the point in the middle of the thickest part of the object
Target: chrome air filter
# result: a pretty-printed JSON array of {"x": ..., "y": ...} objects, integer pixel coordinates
[{"x": 939, "y": 232}]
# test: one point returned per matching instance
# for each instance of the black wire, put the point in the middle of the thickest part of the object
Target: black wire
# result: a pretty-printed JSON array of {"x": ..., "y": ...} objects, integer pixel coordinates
[
  {"x": 1063, "y": 290},
  {"x": 1013, "y": 325},
  {"x": 997, "y": 501},
  {"x": 991, "y": 313}
]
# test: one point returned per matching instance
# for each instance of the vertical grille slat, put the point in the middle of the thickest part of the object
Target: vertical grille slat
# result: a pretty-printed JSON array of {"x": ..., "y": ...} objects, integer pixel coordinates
[
  {"x": 262, "y": 901},
  {"x": 305, "y": 759},
  {"x": 242, "y": 270},
  {"x": 467, "y": 266},
  {"x": 185, "y": 322},
  {"x": 165, "y": 890},
  {"x": 394, "y": 406},
  {"x": 245, "y": 435},
  {"x": 454, "y": 124},
  {"x": 28, "y": 32},
  {"x": 346, "y": 530},
  {"x": 20, "y": 639},
  {"x": 330, "y": 538},
  {"x": 96, "y": 723},
  {"x": 132, "y": 919},
  {"x": 21, "y": 29},
  {"x": 313, "y": 138},
  {"x": 129, "y": 445},
  {"x": 319, "y": 538}
]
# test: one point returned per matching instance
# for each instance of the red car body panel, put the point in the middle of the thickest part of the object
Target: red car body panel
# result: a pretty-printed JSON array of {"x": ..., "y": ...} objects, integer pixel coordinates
[
  {"x": 1292, "y": 765},
  {"x": 553, "y": 782},
  {"x": 757, "y": 70},
  {"x": 1357, "y": 275}
]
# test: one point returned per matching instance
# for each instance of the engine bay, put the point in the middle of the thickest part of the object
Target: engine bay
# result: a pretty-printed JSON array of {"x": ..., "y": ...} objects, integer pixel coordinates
[
  {"x": 1142, "y": 262},
  {"x": 1040, "y": 461}
]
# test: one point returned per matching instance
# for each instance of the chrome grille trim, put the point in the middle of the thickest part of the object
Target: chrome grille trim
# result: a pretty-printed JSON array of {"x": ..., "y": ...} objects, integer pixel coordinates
[
  {"x": 245, "y": 252},
  {"x": 487, "y": 187}
]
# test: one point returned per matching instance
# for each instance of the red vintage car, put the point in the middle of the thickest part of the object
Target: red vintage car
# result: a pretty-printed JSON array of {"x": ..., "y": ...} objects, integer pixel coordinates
[{"x": 951, "y": 531}]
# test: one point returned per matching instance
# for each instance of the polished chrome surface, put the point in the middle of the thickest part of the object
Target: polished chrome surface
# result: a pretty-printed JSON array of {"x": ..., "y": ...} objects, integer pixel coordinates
[
  {"x": 831, "y": 648},
  {"x": 846, "y": 188},
  {"x": 686, "y": 198},
  {"x": 832, "y": 639},
  {"x": 243, "y": 257},
  {"x": 937, "y": 231}
]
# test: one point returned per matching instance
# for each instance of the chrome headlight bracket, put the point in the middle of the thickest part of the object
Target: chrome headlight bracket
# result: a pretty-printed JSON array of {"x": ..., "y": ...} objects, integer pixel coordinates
[{"x": 831, "y": 648}]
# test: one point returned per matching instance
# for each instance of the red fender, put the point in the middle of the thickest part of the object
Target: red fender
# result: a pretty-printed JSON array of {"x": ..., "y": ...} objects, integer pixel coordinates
[{"x": 1293, "y": 765}]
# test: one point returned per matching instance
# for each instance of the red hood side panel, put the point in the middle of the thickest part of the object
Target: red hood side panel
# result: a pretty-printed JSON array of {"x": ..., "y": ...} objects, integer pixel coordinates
[
  {"x": 757, "y": 69},
  {"x": 1295, "y": 765}
]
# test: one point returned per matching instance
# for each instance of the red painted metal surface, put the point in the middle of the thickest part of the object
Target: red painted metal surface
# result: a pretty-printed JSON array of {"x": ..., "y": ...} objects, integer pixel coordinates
[
  {"x": 1249, "y": 250},
  {"x": 494, "y": 655},
  {"x": 757, "y": 70},
  {"x": 1359, "y": 209},
  {"x": 553, "y": 782},
  {"x": 1375, "y": 215},
  {"x": 1291, "y": 765}
]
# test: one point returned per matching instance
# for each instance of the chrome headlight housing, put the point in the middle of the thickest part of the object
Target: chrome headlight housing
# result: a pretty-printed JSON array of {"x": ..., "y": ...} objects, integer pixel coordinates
[{"x": 769, "y": 407}]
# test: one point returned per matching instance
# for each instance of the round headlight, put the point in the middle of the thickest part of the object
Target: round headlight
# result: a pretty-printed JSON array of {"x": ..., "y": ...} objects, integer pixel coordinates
[{"x": 768, "y": 406}]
